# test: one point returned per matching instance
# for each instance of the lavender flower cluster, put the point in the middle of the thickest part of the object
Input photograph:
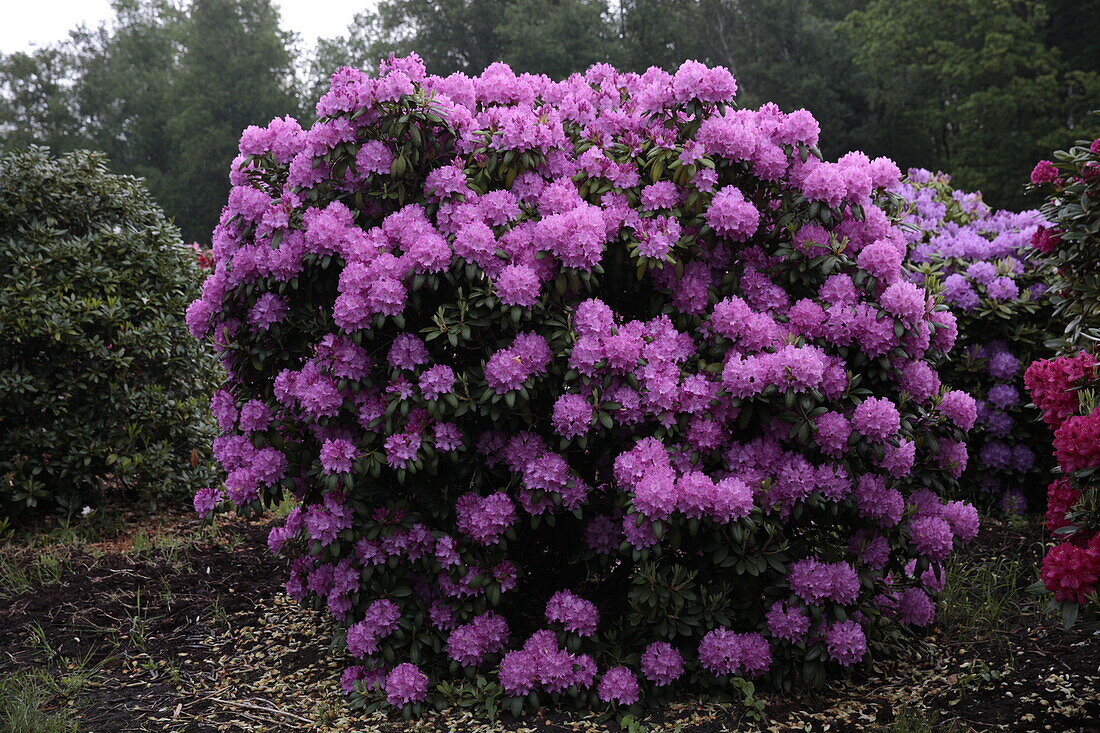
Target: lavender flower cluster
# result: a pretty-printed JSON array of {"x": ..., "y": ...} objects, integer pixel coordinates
[
  {"x": 994, "y": 277},
  {"x": 599, "y": 388}
]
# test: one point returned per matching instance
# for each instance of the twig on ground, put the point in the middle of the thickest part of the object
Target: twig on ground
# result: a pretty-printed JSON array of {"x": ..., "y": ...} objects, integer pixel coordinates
[{"x": 261, "y": 708}]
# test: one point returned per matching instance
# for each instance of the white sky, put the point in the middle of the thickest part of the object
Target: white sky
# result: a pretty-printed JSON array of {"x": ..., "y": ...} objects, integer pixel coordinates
[{"x": 28, "y": 23}]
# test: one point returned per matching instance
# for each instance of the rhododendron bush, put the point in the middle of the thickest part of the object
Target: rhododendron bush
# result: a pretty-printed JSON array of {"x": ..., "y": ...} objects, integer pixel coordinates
[
  {"x": 1065, "y": 388},
  {"x": 593, "y": 390},
  {"x": 103, "y": 395},
  {"x": 1072, "y": 185},
  {"x": 994, "y": 280}
]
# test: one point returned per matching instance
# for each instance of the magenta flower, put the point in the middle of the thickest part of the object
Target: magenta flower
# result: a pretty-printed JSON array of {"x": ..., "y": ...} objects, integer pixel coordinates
[
  {"x": 406, "y": 684},
  {"x": 574, "y": 613},
  {"x": 1044, "y": 172},
  {"x": 572, "y": 415},
  {"x": 662, "y": 664},
  {"x": 337, "y": 455},
  {"x": 618, "y": 685}
]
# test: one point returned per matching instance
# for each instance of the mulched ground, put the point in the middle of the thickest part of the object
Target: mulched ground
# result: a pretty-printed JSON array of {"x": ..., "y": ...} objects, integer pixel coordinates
[{"x": 193, "y": 634}]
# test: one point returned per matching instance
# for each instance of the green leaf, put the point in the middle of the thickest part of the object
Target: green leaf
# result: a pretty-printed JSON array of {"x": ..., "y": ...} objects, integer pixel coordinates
[{"x": 1069, "y": 614}]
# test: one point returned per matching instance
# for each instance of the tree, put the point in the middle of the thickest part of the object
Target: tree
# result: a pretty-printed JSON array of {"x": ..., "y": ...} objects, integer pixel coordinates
[
  {"x": 126, "y": 90},
  {"x": 450, "y": 35},
  {"x": 1074, "y": 29},
  {"x": 36, "y": 99},
  {"x": 970, "y": 87},
  {"x": 659, "y": 33},
  {"x": 787, "y": 52},
  {"x": 163, "y": 89},
  {"x": 236, "y": 70},
  {"x": 368, "y": 39},
  {"x": 555, "y": 37}
]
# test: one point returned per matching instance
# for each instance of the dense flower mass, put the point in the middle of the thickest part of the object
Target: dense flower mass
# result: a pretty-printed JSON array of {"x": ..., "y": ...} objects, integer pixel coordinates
[
  {"x": 1060, "y": 388},
  {"x": 984, "y": 263},
  {"x": 1065, "y": 388},
  {"x": 566, "y": 372}
]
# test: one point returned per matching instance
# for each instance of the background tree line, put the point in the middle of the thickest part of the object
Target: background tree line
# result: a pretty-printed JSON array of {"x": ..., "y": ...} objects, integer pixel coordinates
[{"x": 978, "y": 88}]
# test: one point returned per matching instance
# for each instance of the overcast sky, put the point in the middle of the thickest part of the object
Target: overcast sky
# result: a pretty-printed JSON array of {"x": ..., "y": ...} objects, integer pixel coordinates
[{"x": 28, "y": 23}]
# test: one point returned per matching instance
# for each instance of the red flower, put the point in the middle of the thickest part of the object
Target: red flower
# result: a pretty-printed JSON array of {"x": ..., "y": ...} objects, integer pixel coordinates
[
  {"x": 1095, "y": 147},
  {"x": 1046, "y": 239},
  {"x": 1077, "y": 442},
  {"x": 1061, "y": 496},
  {"x": 1044, "y": 172},
  {"x": 204, "y": 257},
  {"x": 1070, "y": 572},
  {"x": 1049, "y": 382}
]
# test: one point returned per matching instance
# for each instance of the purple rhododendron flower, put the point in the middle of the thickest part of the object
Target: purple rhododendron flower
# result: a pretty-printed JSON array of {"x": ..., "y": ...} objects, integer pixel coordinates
[
  {"x": 618, "y": 685},
  {"x": 572, "y": 415},
  {"x": 471, "y": 643},
  {"x": 876, "y": 418},
  {"x": 437, "y": 380},
  {"x": 337, "y": 455},
  {"x": 790, "y": 623},
  {"x": 725, "y": 652},
  {"x": 815, "y": 581},
  {"x": 662, "y": 664},
  {"x": 574, "y": 613},
  {"x": 206, "y": 500},
  {"x": 406, "y": 684},
  {"x": 846, "y": 642}
]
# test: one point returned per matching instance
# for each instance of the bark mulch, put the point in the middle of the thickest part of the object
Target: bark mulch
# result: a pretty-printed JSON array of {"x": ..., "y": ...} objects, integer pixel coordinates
[{"x": 193, "y": 633}]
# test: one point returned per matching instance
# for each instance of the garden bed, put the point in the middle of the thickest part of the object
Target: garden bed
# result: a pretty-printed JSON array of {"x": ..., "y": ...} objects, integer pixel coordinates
[{"x": 163, "y": 624}]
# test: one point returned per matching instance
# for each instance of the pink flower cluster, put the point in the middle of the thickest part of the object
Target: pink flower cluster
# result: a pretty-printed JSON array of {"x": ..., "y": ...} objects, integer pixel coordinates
[
  {"x": 1077, "y": 442},
  {"x": 724, "y": 652},
  {"x": 472, "y": 643},
  {"x": 658, "y": 490},
  {"x": 542, "y": 664},
  {"x": 573, "y": 612},
  {"x": 1071, "y": 571}
]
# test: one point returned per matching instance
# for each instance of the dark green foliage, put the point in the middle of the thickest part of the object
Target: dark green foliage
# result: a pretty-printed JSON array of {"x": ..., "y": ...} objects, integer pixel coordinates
[
  {"x": 35, "y": 103},
  {"x": 656, "y": 33},
  {"x": 972, "y": 87},
  {"x": 163, "y": 90},
  {"x": 125, "y": 96},
  {"x": 101, "y": 388},
  {"x": 558, "y": 37},
  {"x": 235, "y": 71},
  {"x": 1073, "y": 209},
  {"x": 552, "y": 37}
]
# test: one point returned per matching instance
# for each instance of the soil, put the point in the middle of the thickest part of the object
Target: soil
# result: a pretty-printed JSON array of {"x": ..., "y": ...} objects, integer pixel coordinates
[
  {"x": 194, "y": 634},
  {"x": 132, "y": 615}
]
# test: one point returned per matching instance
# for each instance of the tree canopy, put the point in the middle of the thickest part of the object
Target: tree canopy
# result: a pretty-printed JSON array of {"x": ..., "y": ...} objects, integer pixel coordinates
[
  {"x": 163, "y": 90},
  {"x": 977, "y": 88}
]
